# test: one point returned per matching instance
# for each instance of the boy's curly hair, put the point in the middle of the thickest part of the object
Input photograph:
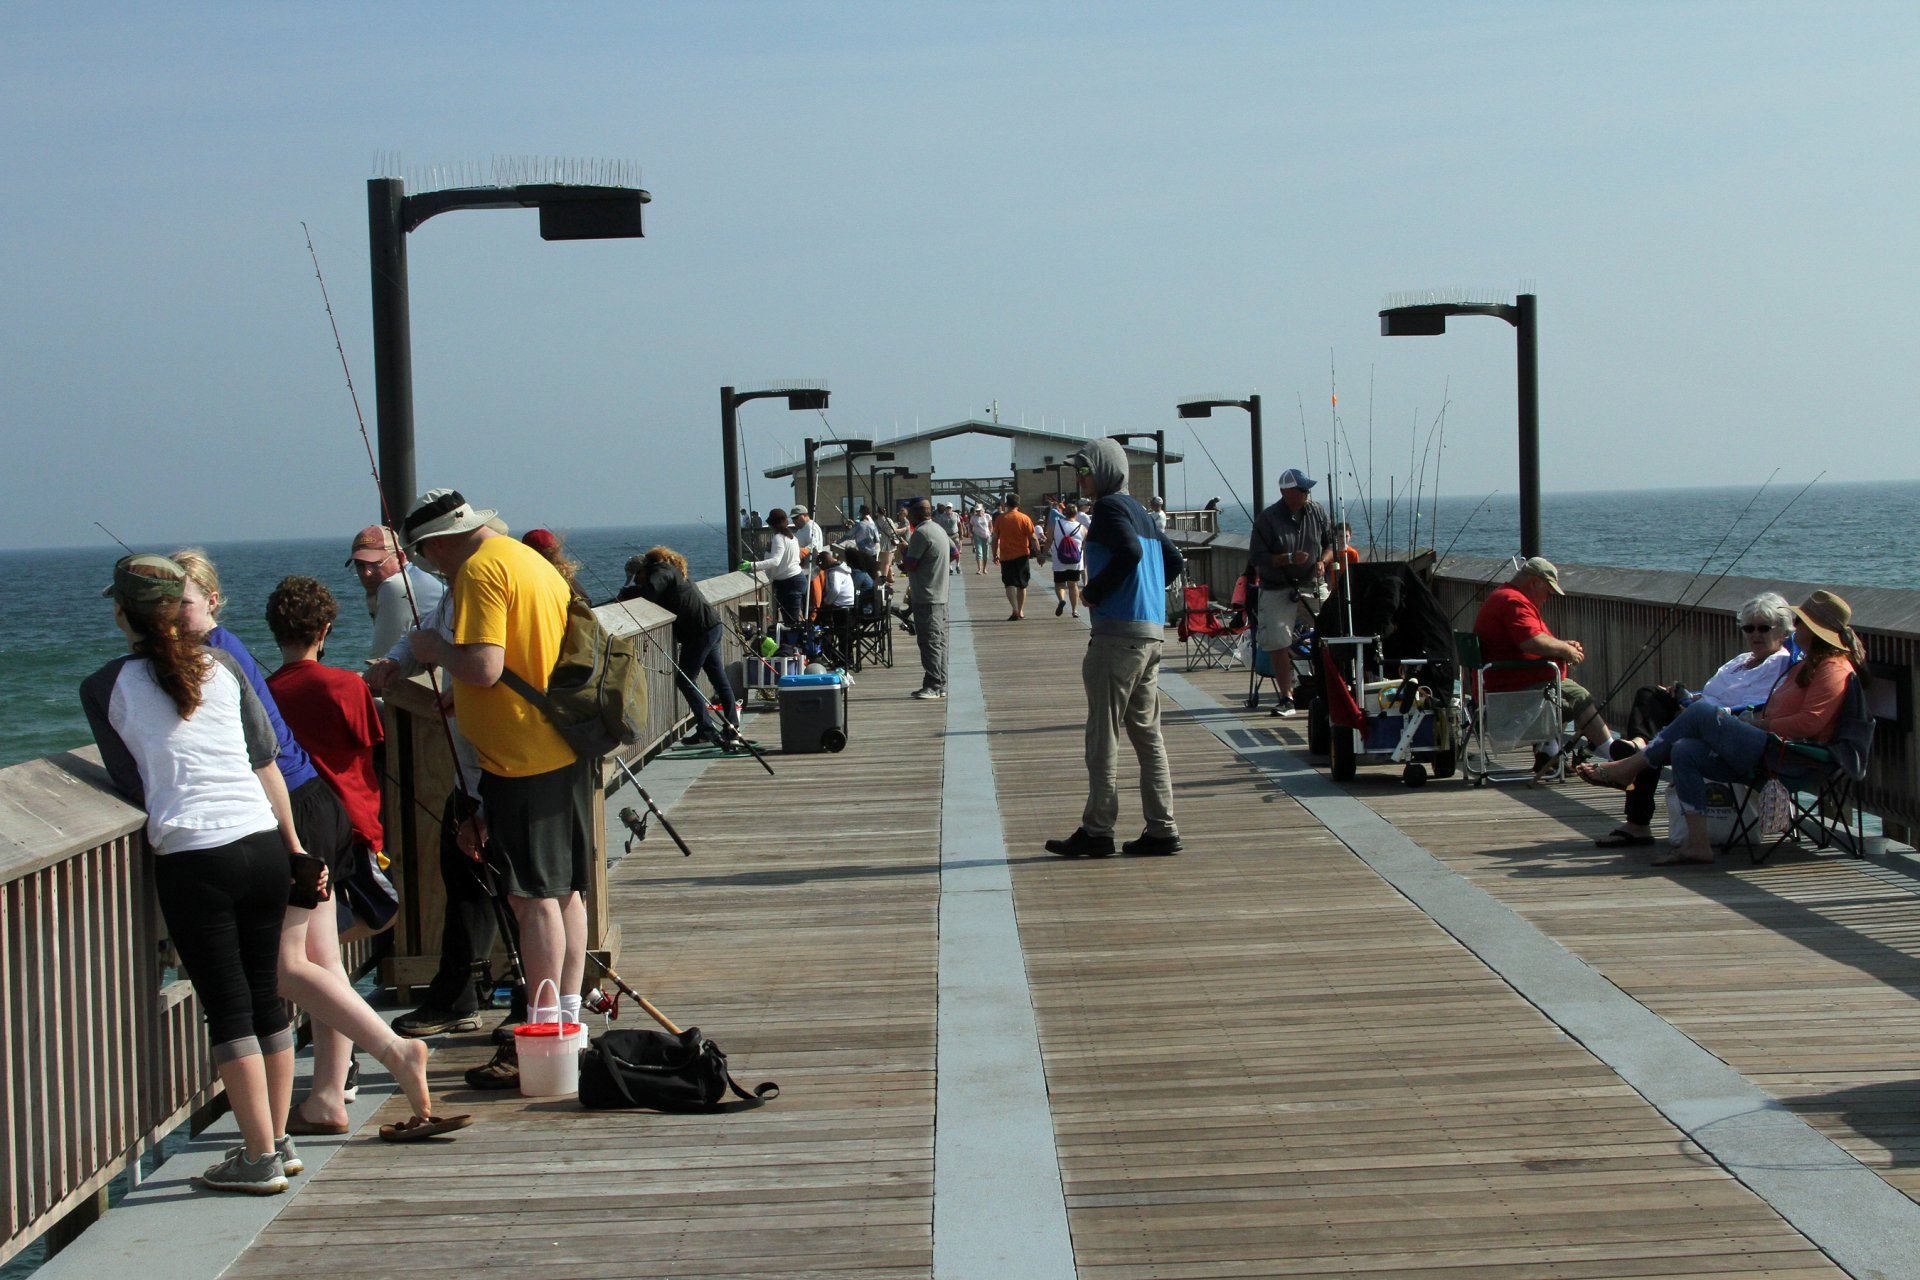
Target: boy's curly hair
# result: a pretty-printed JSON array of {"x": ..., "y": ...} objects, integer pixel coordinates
[{"x": 300, "y": 609}]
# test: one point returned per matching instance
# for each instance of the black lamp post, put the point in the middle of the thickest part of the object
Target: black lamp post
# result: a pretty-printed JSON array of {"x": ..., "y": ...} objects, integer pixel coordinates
[
  {"x": 1424, "y": 319},
  {"x": 567, "y": 212},
  {"x": 849, "y": 448},
  {"x": 892, "y": 474},
  {"x": 1159, "y": 439},
  {"x": 797, "y": 396},
  {"x": 862, "y": 449},
  {"x": 1204, "y": 409}
]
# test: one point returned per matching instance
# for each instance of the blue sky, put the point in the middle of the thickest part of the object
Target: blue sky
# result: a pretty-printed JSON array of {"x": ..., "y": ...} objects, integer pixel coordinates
[{"x": 1084, "y": 212}]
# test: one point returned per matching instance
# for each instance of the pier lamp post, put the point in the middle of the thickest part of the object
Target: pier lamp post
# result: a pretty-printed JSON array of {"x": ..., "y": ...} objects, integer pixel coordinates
[
  {"x": 892, "y": 474},
  {"x": 1205, "y": 408},
  {"x": 848, "y": 449},
  {"x": 862, "y": 449},
  {"x": 1424, "y": 319},
  {"x": 569, "y": 210},
  {"x": 1159, "y": 439},
  {"x": 798, "y": 395}
]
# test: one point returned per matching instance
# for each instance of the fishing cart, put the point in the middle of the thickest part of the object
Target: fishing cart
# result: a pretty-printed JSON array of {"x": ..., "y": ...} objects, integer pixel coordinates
[{"x": 1389, "y": 682}]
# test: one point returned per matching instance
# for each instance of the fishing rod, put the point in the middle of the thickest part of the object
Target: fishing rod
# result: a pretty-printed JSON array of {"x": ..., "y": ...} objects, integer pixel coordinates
[
  {"x": 1223, "y": 477},
  {"x": 1458, "y": 534},
  {"x": 638, "y": 825},
  {"x": 469, "y": 805},
  {"x": 1671, "y": 621},
  {"x": 116, "y": 537}
]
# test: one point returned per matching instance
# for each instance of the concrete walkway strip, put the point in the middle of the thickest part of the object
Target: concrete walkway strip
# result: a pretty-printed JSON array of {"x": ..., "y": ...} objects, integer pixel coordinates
[
  {"x": 998, "y": 1206},
  {"x": 1846, "y": 1209}
]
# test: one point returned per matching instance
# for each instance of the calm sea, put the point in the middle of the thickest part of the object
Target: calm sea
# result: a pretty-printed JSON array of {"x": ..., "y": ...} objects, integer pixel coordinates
[{"x": 58, "y": 629}]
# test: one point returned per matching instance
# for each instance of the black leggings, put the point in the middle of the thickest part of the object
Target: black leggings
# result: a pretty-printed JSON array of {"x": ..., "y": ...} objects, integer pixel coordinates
[{"x": 223, "y": 909}]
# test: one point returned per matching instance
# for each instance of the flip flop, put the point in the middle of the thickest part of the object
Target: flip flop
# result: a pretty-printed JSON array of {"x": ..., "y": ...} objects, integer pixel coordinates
[
  {"x": 417, "y": 1128},
  {"x": 1678, "y": 860},
  {"x": 1618, "y": 839}
]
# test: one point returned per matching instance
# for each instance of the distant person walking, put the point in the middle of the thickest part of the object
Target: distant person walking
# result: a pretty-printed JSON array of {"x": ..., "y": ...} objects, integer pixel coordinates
[
  {"x": 1129, "y": 564},
  {"x": 378, "y": 561},
  {"x": 1065, "y": 545},
  {"x": 1013, "y": 547},
  {"x": 980, "y": 526},
  {"x": 925, "y": 560}
]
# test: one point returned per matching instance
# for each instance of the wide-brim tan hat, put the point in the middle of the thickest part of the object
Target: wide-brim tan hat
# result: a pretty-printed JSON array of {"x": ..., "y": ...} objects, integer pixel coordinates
[
  {"x": 439, "y": 513},
  {"x": 1827, "y": 616}
]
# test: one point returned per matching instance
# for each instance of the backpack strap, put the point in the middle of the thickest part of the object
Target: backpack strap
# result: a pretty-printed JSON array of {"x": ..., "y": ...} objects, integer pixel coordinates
[
  {"x": 766, "y": 1091},
  {"x": 541, "y": 702}
]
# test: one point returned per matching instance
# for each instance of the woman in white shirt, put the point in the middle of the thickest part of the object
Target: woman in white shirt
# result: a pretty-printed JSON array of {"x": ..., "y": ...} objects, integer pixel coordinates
[
  {"x": 1766, "y": 625},
  {"x": 782, "y": 568},
  {"x": 980, "y": 525}
]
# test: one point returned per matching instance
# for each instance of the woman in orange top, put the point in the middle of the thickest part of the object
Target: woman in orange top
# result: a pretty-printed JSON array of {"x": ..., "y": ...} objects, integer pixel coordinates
[{"x": 1710, "y": 743}]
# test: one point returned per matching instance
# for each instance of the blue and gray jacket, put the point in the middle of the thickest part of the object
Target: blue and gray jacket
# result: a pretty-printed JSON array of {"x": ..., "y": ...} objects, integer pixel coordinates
[{"x": 1129, "y": 561}]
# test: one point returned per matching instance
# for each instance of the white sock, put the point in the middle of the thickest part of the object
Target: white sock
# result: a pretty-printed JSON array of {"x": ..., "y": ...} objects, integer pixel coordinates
[{"x": 570, "y": 1008}]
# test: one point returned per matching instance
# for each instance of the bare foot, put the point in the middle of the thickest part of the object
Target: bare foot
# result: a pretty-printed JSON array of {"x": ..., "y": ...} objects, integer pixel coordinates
[{"x": 407, "y": 1059}]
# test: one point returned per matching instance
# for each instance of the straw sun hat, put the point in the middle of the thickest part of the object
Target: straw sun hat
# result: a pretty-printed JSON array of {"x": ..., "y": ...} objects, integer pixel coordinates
[{"x": 1829, "y": 617}]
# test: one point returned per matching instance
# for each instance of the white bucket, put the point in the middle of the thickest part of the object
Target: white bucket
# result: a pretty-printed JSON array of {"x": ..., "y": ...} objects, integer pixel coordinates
[{"x": 549, "y": 1050}]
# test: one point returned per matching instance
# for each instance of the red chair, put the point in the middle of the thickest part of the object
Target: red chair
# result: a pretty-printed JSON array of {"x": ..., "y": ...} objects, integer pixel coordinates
[{"x": 1206, "y": 630}]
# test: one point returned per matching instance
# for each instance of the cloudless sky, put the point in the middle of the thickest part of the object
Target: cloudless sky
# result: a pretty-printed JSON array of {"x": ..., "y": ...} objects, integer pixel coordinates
[{"x": 1084, "y": 212}]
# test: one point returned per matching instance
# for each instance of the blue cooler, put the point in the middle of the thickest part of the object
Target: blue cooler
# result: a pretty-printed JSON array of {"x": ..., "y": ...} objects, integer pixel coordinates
[{"x": 813, "y": 713}]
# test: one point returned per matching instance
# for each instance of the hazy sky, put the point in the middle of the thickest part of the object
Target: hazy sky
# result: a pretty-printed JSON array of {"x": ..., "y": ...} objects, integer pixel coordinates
[{"x": 1084, "y": 212}]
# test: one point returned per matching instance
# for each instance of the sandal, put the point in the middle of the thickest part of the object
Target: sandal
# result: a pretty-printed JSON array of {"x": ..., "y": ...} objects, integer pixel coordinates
[
  {"x": 1590, "y": 774},
  {"x": 419, "y": 1128},
  {"x": 1681, "y": 860},
  {"x": 1619, "y": 838},
  {"x": 298, "y": 1126}
]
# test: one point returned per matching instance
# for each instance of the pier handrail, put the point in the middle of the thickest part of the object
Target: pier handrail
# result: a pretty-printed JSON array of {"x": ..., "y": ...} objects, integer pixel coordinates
[{"x": 102, "y": 1053}]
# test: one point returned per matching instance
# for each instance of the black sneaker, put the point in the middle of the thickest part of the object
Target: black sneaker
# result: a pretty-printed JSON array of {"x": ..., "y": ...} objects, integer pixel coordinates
[
  {"x": 1152, "y": 846},
  {"x": 430, "y": 1021},
  {"x": 1082, "y": 845},
  {"x": 1060, "y": 608},
  {"x": 501, "y": 1073},
  {"x": 503, "y": 1034}
]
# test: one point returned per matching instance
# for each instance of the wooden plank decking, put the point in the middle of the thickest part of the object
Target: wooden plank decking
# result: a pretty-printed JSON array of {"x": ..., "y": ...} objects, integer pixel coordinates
[{"x": 1261, "y": 1059}]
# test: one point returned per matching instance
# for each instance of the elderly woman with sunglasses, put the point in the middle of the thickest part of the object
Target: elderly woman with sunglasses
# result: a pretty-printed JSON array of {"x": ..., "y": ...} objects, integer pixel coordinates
[
  {"x": 1709, "y": 743},
  {"x": 1766, "y": 623}
]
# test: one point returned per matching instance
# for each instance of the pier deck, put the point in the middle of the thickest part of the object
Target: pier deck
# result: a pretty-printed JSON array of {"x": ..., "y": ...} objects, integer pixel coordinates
[{"x": 1358, "y": 1030}]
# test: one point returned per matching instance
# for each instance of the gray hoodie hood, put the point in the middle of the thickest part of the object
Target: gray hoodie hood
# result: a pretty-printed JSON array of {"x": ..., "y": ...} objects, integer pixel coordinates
[{"x": 1108, "y": 461}]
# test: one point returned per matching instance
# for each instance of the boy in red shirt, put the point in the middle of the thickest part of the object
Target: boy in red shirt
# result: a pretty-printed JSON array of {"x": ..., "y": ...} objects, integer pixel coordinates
[{"x": 1511, "y": 630}]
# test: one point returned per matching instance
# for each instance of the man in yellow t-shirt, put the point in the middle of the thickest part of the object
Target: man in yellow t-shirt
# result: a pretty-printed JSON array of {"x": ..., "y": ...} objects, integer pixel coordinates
[{"x": 536, "y": 796}]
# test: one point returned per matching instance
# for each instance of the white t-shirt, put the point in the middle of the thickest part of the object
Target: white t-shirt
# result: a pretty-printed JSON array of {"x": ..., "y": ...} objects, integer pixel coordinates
[
  {"x": 391, "y": 617},
  {"x": 195, "y": 776},
  {"x": 982, "y": 527},
  {"x": 783, "y": 563},
  {"x": 809, "y": 535},
  {"x": 1737, "y": 685}
]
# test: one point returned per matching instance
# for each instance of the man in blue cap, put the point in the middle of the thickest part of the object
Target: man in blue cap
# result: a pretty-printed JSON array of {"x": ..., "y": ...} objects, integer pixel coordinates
[{"x": 1291, "y": 549}]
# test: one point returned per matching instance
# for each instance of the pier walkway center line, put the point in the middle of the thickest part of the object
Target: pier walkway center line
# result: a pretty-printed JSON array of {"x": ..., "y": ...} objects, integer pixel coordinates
[
  {"x": 998, "y": 1206},
  {"x": 1842, "y": 1206}
]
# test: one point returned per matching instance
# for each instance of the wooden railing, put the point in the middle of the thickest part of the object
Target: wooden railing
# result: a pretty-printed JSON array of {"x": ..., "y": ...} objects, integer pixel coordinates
[
  {"x": 102, "y": 1051},
  {"x": 1614, "y": 613}
]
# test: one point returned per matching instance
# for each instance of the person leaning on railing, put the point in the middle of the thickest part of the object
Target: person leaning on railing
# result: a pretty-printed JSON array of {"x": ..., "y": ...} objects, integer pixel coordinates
[
  {"x": 183, "y": 736},
  {"x": 1743, "y": 683},
  {"x": 1708, "y": 743}
]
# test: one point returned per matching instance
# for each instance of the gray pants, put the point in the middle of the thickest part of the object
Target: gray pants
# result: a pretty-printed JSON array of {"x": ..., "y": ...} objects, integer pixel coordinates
[
  {"x": 1121, "y": 674},
  {"x": 930, "y": 629}
]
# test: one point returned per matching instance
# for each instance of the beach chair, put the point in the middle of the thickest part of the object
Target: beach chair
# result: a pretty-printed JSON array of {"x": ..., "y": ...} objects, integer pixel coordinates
[
  {"x": 1206, "y": 630},
  {"x": 1822, "y": 810},
  {"x": 871, "y": 639},
  {"x": 1503, "y": 723}
]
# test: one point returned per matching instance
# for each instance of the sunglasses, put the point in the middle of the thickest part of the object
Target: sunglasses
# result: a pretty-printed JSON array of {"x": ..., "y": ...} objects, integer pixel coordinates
[{"x": 1756, "y": 628}]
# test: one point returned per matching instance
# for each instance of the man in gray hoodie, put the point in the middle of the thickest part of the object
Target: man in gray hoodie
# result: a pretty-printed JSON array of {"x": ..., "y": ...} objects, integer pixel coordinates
[{"x": 1129, "y": 563}]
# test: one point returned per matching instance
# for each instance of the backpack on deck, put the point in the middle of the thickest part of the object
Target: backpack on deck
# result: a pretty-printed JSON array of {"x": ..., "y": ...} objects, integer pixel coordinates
[{"x": 597, "y": 694}]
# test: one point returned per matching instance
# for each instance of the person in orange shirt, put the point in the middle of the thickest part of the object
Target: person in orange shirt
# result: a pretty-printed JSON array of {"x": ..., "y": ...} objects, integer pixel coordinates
[
  {"x": 1711, "y": 743},
  {"x": 1013, "y": 543}
]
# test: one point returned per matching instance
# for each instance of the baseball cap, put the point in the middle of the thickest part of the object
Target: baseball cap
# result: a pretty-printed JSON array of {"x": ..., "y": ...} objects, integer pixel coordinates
[
  {"x": 541, "y": 540},
  {"x": 797, "y": 509},
  {"x": 373, "y": 544},
  {"x": 1295, "y": 478},
  {"x": 133, "y": 587},
  {"x": 1541, "y": 567}
]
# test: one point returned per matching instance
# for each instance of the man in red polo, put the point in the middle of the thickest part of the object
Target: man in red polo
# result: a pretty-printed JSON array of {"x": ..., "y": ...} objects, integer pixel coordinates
[{"x": 1511, "y": 630}]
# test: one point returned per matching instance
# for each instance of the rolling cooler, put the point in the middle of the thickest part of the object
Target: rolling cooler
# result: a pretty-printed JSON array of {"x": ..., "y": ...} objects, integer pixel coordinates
[{"x": 813, "y": 713}]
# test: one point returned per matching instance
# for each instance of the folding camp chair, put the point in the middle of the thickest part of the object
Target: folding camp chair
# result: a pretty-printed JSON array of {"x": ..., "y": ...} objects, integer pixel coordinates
[
  {"x": 1820, "y": 779},
  {"x": 1502, "y": 722},
  {"x": 871, "y": 639},
  {"x": 1207, "y": 630}
]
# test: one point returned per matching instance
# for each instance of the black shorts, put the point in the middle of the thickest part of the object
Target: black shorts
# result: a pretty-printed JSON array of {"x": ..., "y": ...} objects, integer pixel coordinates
[
  {"x": 1061, "y": 577},
  {"x": 1016, "y": 573},
  {"x": 543, "y": 825},
  {"x": 323, "y": 826}
]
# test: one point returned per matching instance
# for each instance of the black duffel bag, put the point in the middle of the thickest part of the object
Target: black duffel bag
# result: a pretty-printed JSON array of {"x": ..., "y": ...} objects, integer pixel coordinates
[{"x": 687, "y": 1072}]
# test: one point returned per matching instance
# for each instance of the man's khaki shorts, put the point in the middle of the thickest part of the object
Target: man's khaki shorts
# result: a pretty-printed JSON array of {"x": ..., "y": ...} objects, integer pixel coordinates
[{"x": 1282, "y": 616}]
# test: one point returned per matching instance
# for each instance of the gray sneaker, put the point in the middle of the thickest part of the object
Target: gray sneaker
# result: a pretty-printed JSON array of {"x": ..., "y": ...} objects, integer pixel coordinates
[
  {"x": 290, "y": 1160},
  {"x": 263, "y": 1177},
  {"x": 928, "y": 695}
]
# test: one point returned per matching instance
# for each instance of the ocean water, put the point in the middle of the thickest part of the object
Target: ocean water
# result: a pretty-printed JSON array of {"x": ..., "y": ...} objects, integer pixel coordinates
[{"x": 58, "y": 629}]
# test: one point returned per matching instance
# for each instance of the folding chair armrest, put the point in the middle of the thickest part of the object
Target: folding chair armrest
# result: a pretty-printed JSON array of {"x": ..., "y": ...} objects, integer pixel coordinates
[{"x": 1522, "y": 664}]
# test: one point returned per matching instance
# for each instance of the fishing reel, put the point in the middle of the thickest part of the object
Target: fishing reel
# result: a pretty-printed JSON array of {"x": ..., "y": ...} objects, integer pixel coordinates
[{"x": 636, "y": 824}]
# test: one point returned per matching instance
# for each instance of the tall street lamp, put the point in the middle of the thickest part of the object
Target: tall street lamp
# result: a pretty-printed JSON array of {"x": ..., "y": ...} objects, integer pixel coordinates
[
  {"x": 862, "y": 449},
  {"x": 848, "y": 449},
  {"x": 798, "y": 395},
  {"x": 1205, "y": 408},
  {"x": 1424, "y": 319},
  {"x": 591, "y": 210}
]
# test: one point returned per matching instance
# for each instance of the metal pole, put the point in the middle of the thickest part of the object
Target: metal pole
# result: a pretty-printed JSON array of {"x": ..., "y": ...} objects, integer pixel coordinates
[
  {"x": 730, "y": 463},
  {"x": 846, "y": 503},
  {"x": 1526, "y": 343},
  {"x": 1259, "y": 458},
  {"x": 813, "y": 497},
  {"x": 1160, "y": 461},
  {"x": 392, "y": 339}
]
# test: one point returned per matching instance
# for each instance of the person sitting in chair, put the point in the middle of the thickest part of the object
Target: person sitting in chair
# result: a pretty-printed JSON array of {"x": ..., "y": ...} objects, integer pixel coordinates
[
  {"x": 1511, "y": 630},
  {"x": 1745, "y": 682}
]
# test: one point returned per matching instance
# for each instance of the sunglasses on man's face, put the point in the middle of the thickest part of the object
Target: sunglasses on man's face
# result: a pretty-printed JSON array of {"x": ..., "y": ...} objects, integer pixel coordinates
[{"x": 1756, "y": 628}]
